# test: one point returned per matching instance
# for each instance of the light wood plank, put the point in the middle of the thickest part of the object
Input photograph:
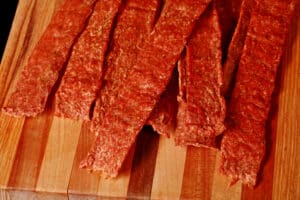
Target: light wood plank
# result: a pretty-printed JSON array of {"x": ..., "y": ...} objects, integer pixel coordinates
[
  {"x": 117, "y": 187},
  {"x": 198, "y": 173},
  {"x": 30, "y": 152},
  {"x": 220, "y": 187},
  {"x": 59, "y": 156},
  {"x": 169, "y": 170},
  {"x": 21, "y": 194},
  {"x": 287, "y": 160},
  {"x": 4, "y": 195},
  {"x": 10, "y": 132},
  {"x": 81, "y": 180},
  {"x": 82, "y": 197}
]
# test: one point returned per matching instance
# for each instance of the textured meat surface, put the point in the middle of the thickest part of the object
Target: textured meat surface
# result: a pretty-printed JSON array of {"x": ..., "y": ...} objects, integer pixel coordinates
[
  {"x": 236, "y": 8},
  {"x": 135, "y": 21},
  {"x": 243, "y": 145},
  {"x": 118, "y": 125},
  {"x": 48, "y": 57},
  {"x": 82, "y": 78},
  {"x": 163, "y": 116},
  {"x": 236, "y": 45},
  {"x": 228, "y": 12},
  {"x": 201, "y": 112},
  {"x": 182, "y": 101}
]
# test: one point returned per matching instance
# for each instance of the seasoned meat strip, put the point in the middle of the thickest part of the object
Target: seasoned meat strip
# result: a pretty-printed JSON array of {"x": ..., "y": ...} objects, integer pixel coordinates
[
  {"x": 201, "y": 112},
  {"x": 135, "y": 22},
  {"x": 117, "y": 125},
  {"x": 47, "y": 59},
  {"x": 181, "y": 98},
  {"x": 236, "y": 45},
  {"x": 163, "y": 116},
  {"x": 228, "y": 12},
  {"x": 243, "y": 145},
  {"x": 82, "y": 79}
]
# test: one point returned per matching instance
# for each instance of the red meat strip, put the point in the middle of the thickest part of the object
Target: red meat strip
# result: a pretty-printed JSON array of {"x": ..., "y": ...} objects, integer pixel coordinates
[
  {"x": 118, "y": 124},
  {"x": 243, "y": 145},
  {"x": 163, "y": 116},
  {"x": 48, "y": 57},
  {"x": 228, "y": 12},
  {"x": 82, "y": 78},
  {"x": 182, "y": 101},
  {"x": 134, "y": 23},
  {"x": 201, "y": 111},
  {"x": 235, "y": 9},
  {"x": 236, "y": 46}
]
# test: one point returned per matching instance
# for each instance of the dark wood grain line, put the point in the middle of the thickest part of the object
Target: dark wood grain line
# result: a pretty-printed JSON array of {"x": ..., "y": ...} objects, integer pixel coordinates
[
  {"x": 30, "y": 152},
  {"x": 81, "y": 181},
  {"x": 143, "y": 165},
  {"x": 198, "y": 173}
]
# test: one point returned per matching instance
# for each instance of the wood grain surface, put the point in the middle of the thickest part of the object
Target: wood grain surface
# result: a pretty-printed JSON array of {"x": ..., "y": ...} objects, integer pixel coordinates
[{"x": 39, "y": 156}]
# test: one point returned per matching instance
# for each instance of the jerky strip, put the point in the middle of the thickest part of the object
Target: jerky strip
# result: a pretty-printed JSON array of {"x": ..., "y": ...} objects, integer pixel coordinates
[
  {"x": 228, "y": 12},
  {"x": 243, "y": 145},
  {"x": 202, "y": 112},
  {"x": 82, "y": 78},
  {"x": 47, "y": 59},
  {"x": 236, "y": 45},
  {"x": 182, "y": 102},
  {"x": 163, "y": 116},
  {"x": 134, "y": 23},
  {"x": 118, "y": 127}
]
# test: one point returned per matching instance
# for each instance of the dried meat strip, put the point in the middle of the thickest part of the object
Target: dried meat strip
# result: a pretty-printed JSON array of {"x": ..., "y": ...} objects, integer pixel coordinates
[
  {"x": 236, "y": 45},
  {"x": 182, "y": 81},
  {"x": 82, "y": 79},
  {"x": 228, "y": 12},
  {"x": 243, "y": 145},
  {"x": 135, "y": 22},
  {"x": 47, "y": 59},
  {"x": 201, "y": 111},
  {"x": 163, "y": 116},
  {"x": 181, "y": 65},
  {"x": 118, "y": 125}
]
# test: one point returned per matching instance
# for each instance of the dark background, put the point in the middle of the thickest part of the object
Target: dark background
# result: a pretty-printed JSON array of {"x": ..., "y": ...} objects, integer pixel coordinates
[{"x": 7, "y": 13}]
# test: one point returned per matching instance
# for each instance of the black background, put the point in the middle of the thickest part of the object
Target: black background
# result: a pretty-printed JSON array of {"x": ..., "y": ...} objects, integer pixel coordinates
[{"x": 7, "y": 13}]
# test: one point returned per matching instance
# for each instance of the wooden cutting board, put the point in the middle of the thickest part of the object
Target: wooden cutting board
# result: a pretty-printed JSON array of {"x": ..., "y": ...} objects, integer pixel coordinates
[{"x": 39, "y": 156}]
